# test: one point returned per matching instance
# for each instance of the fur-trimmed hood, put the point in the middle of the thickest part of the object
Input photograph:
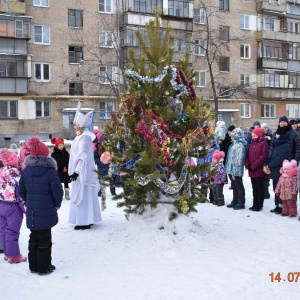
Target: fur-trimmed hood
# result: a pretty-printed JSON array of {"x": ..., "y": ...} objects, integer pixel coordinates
[{"x": 40, "y": 161}]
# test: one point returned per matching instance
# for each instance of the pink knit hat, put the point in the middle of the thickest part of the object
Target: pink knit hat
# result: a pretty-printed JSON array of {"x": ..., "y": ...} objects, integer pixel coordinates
[
  {"x": 258, "y": 131},
  {"x": 8, "y": 157},
  {"x": 57, "y": 141},
  {"x": 218, "y": 155},
  {"x": 289, "y": 165},
  {"x": 36, "y": 147}
]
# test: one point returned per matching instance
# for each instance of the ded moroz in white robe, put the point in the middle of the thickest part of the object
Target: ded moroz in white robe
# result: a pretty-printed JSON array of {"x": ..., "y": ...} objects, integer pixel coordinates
[{"x": 84, "y": 204}]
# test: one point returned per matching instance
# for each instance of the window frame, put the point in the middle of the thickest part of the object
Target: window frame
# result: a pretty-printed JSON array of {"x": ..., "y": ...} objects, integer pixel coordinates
[
  {"x": 294, "y": 108},
  {"x": 77, "y": 54},
  {"x": 246, "y": 77},
  {"x": 77, "y": 87},
  {"x": 222, "y": 61},
  {"x": 77, "y": 19},
  {"x": 245, "y": 21},
  {"x": 44, "y": 27},
  {"x": 223, "y": 33},
  {"x": 105, "y": 6},
  {"x": 245, "y": 107},
  {"x": 269, "y": 105},
  {"x": 200, "y": 47},
  {"x": 244, "y": 50},
  {"x": 201, "y": 15},
  {"x": 106, "y": 34},
  {"x": 43, "y": 109},
  {"x": 108, "y": 72},
  {"x": 223, "y": 5},
  {"x": 106, "y": 104},
  {"x": 42, "y": 71},
  {"x": 199, "y": 79},
  {"x": 9, "y": 109},
  {"x": 40, "y": 3}
]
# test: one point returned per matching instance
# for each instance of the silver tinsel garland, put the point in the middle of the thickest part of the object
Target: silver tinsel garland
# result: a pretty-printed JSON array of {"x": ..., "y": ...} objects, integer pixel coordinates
[{"x": 184, "y": 178}]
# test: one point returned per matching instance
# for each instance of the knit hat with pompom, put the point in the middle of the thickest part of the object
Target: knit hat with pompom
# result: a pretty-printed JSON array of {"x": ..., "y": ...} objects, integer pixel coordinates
[
  {"x": 57, "y": 141},
  {"x": 289, "y": 165},
  {"x": 218, "y": 155},
  {"x": 36, "y": 147},
  {"x": 8, "y": 157}
]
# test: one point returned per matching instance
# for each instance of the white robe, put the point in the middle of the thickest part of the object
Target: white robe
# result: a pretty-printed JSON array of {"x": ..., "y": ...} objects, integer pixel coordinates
[{"x": 84, "y": 202}]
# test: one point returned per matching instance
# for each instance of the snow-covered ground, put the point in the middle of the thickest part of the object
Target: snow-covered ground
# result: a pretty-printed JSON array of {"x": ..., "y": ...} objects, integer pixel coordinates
[{"x": 216, "y": 253}]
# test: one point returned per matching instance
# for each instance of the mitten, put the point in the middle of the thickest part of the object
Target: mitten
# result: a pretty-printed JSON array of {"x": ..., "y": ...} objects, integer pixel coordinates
[
  {"x": 222, "y": 184},
  {"x": 74, "y": 176}
]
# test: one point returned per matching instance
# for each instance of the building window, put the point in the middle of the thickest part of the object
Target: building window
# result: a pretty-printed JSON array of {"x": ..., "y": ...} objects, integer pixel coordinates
[
  {"x": 147, "y": 6},
  {"x": 272, "y": 80},
  {"x": 105, "y": 6},
  {"x": 75, "y": 18},
  {"x": 224, "y": 33},
  {"x": 294, "y": 80},
  {"x": 200, "y": 79},
  {"x": 294, "y": 51},
  {"x": 178, "y": 8},
  {"x": 199, "y": 15},
  {"x": 106, "y": 106},
  {"x": 245, "y": 51},
  {"x": 224, "y": 5},
  {"x": 42, "y": 109},
  {"x": 268, "y": 110},
  {"x": 182, "y": 45},
  {"x": 105, "y": 75},
  {"x": 267, "y": 24},
  {"x": 271, "y": 49},
  {"x": 225, "y": 92},
  {"x": 245, "y": 110},
  {"x": 293, "y": 110},
  {"x": 200, "y": 48},
  {"x": 22, "y": 29},
  {"x": 75, "y": 54},
  {"x": 75, "y": 89},
  {"x": 293, "y": 26},
  {"x": 42, "y": 34},
  {"x": 8, "y": 109},
  {"x": 244, "y": 22},
  {"x": 224, "y": 64},
  {"x": 42, "y": 72},
  {"x": 245, "y": 79},
  {"x": 44, "y": 3},
  {"x": 106, "y": 39}
]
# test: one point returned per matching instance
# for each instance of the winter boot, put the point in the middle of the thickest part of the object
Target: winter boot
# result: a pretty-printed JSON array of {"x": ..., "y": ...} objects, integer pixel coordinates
[
  {"x": 67, "y": 193},
  {"x": 16, "y": 259},
  {"x": 113, "y": 191},
  {"x": 277, "y": 210},
  {"x": 232, "y": 204},
  {"x": 100, "y": 193},
  {"x": 240, "y": 205}
]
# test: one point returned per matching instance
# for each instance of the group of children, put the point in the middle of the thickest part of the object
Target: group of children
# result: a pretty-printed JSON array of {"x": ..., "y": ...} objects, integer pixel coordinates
[{"x": 253, "y": 157}]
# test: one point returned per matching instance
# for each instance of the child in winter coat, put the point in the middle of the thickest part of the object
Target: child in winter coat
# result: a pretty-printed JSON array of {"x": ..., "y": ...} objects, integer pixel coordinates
[
  {"x": 219, "y": 178},
  {"x": 219, "y": 134},
  {"x": 256, "y": 156},
  {"x": 11, "y": 207},
  {"x": 62, "y": 156},
  {"x": 235, "y": 167},
  {"x": 286, "y": 188},
  {"x": 42, "y": 192},
  {"x": 298, "y": 182}
]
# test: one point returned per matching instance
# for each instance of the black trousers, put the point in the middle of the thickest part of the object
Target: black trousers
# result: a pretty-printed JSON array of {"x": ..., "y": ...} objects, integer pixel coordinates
[
  {"x": 258, "y": 189},
  {"x": 40, "y": 246}
]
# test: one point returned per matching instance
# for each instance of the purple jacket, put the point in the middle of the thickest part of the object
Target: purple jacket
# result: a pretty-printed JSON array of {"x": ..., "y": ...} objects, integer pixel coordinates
[{"x": 256, "y": 156}]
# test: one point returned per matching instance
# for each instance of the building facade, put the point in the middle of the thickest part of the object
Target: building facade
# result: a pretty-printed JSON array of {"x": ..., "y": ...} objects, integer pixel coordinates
[{"x": 55, "y": 53}]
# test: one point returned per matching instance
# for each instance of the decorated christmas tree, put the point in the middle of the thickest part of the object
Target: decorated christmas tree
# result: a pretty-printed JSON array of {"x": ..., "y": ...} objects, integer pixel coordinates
[{"x": 158, "y": 139}]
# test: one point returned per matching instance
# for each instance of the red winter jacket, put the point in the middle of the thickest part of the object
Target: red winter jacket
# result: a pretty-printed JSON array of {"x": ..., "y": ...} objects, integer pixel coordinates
[{"x": 256, "y": 156}]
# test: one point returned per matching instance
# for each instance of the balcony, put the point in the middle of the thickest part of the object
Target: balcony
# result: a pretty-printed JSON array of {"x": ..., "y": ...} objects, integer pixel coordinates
[
  {"x": 278, "y": 36},
  {"x": 16, "y": 7},
  {"x": 272, "y": 93},
  {"x": 271, "y": 63},
  {"x": 271, "y": 6}
]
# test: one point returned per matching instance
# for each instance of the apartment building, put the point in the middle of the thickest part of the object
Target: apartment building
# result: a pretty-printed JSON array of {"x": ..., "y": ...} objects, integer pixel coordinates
[{"x": 54, "y": 53}]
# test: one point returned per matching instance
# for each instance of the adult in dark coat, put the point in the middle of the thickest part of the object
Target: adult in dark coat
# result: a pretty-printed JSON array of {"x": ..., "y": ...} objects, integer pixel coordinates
[
  {"x": 226, "y": 144},
  {"x": 255, "y": 158},
  {"x": 278, "y": 153},
  {"x": 62, "y": 157},
  {"x": 42, "y": 192}
]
